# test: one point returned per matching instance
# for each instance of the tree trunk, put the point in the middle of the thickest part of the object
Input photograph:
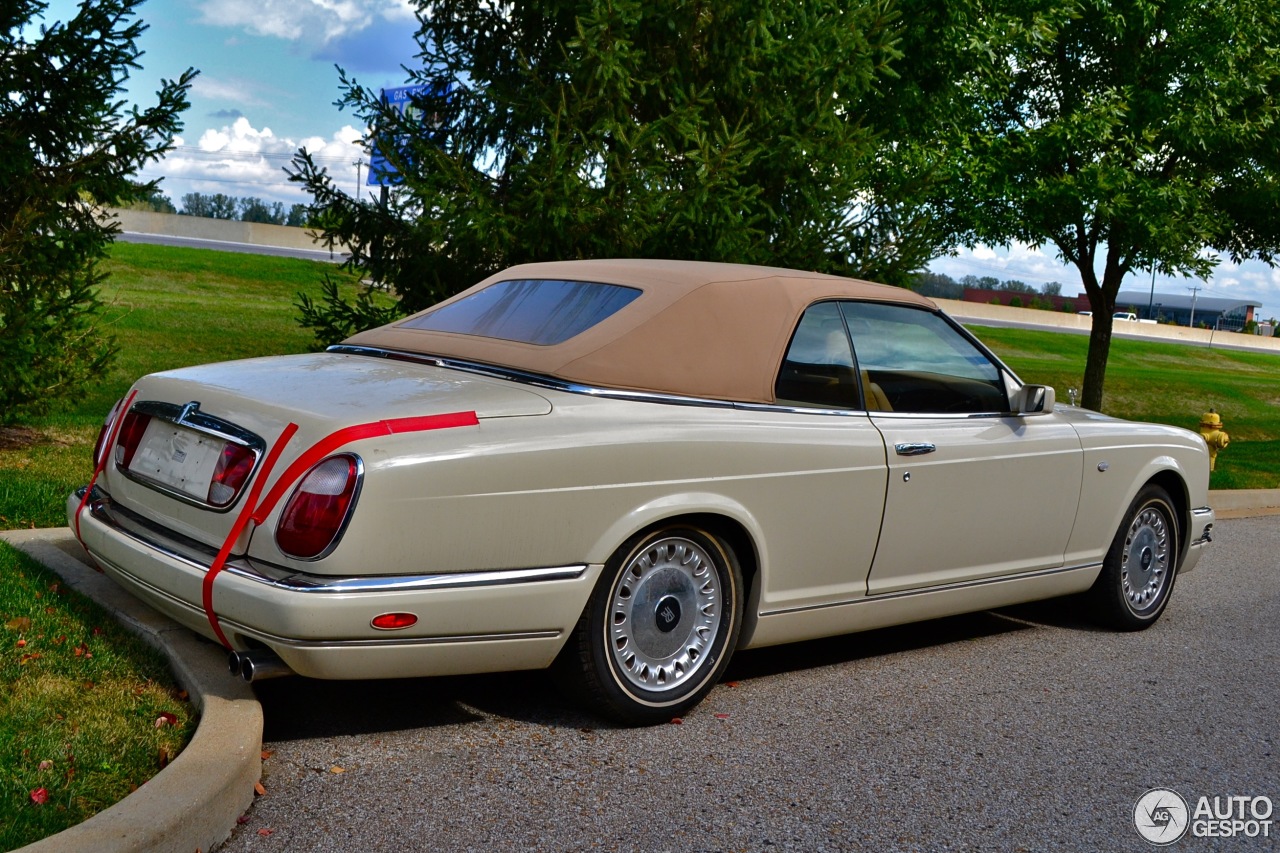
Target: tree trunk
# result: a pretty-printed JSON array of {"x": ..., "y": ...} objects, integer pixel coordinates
[
  {"x": 1102, "y": 301},
  {"x": 1095, "y": 365}
]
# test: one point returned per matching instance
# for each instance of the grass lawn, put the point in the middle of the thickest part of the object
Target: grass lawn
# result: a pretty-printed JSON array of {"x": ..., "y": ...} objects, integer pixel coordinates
[{"x": 88, "y": 712}]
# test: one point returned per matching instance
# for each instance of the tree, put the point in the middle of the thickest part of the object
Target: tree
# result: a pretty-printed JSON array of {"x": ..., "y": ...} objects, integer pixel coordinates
[
  {"x": 153, "y": 200},
  {"x": 1129, "y": 135},
  {"x": 214, "y": 206},
  {"x": 256, "y": 210},
  {"x": 726, "y": 130},
  {"x": 66, "y": 137},
  {"x": 298, "y": 215}
]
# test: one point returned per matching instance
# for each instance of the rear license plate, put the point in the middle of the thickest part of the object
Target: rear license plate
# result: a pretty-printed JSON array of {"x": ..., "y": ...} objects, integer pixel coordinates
[{"x": 181, "y": 459}]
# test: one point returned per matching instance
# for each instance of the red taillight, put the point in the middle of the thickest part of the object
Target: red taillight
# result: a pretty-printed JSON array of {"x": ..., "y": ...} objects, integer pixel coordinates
[
  {"x": 130, "y": 437},
  {"x": 394, "y": 621},
  {"x": 318, "y": 508},
  {"x": 229, "y": 476},
  {"x": 100, "y": 446}
]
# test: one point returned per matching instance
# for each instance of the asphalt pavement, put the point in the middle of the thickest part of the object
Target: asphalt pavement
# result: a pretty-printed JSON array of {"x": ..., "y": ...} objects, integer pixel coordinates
[{"x": 1019, "y": 729}]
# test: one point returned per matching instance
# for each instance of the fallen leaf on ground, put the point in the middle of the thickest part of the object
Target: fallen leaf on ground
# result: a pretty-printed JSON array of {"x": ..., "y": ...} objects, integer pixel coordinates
[
  {"x": 267, "y": 753},
  {"x": 731, "y": 684},
  {"x": 166, "y": 719},
  {"x": 242, "y": 820},
  {"x": 264, "y": 832},
  {"x": 722, "y": 716},
  {"x": 22, "y": 644},
  {"x": 258, "y": 789},
  {"x": 20, "y": 623},
  {"x": 46, "y": 764},
  {"x": 336, "y": 769},
  {"x": 40, "y": 796},
  {"x": 676, "y": 721}
]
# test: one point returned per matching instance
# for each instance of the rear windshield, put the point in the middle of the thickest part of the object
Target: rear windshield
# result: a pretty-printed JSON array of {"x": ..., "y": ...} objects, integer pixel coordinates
[{"x": 531, "y": 311}]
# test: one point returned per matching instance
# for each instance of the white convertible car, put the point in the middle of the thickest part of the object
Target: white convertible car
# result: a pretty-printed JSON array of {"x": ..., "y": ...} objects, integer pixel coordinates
[{"x": 626, "y": 471}]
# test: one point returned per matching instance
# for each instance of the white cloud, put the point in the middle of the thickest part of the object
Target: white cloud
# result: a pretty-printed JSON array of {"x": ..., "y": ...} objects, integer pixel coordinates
[
  {"x": 310, "y": 21},
  {"x": 241, "y": 160},
  {"x": 236, "y": 89}
]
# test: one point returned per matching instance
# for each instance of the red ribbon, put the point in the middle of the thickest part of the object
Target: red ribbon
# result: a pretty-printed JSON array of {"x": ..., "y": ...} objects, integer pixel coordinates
[{"x": 257, "y": 513}]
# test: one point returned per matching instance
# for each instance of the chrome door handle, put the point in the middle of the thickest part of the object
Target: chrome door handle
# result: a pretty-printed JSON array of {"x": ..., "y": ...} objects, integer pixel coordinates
[{"x": 914, "y": 449}]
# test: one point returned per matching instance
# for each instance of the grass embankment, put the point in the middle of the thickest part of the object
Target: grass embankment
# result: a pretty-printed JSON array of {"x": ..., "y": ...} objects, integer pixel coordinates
[
  {"x": 88, "y": 712},
  {"x": 1171, "y": 384}
]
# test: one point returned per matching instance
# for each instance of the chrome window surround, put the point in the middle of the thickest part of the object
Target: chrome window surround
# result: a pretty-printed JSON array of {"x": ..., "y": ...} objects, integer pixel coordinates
[
  {"x": 551, "y": 383},
  {"x": 190, "y": 417},
  {"x": 199, "y": 556}
]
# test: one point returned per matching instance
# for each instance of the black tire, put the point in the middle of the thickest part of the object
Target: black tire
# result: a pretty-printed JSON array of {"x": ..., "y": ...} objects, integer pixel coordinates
[
  {"x": 659, "y": 628},
  {"x": 1141, "y": 565}
]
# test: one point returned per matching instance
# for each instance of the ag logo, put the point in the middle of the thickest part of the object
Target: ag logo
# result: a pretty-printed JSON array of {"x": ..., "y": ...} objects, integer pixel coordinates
[{"x": 1160, "y": 816}]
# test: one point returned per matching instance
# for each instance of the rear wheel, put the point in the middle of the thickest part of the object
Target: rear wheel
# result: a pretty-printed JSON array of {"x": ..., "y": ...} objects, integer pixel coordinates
[
  {"x": 659, "y": 628},
  {"x": 1138, "y": 572}
]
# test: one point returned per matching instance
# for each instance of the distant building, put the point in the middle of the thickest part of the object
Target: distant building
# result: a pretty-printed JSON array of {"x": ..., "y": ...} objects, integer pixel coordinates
[{"x": 1211, "y": 311}]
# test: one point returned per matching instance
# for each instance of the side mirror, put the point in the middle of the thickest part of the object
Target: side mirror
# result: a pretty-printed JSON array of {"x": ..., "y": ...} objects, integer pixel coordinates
[{"x": 1033, "y": 400}]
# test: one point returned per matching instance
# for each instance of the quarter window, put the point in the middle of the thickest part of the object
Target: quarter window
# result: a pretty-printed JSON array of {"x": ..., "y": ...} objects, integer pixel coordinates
[{"x": 818, "y": 369}]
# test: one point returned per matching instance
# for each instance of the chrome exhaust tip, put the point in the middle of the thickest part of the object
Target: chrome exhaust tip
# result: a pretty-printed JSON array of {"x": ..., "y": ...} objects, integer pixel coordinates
[{"x": 261, "y": 664}]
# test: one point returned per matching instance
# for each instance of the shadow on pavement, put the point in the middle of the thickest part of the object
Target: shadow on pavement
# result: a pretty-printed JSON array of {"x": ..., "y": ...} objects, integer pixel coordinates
[{"x": 301, "y": 708}]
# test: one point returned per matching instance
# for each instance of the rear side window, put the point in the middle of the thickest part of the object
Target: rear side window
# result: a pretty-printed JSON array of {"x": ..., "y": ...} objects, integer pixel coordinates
[
  {"x": 818, "y": 369},
  {"x": 530, "y": 311}
]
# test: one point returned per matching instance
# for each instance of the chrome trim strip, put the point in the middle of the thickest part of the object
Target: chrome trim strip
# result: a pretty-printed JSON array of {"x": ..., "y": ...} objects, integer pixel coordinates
[
  {"x": 192, "y": 418},
  {"x": 950, "y": 587},
  {"x": 1203, "y": 510},
  {"x": 245, "y": 630},
  {"x": 174, "y": 546},
  {"x": 551, "y": 383},
  {"x": 546, "y": 634}
]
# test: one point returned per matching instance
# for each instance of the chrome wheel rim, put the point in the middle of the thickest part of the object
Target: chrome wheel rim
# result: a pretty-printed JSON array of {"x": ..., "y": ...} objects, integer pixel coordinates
[
  {"x": 664, "y": 615},
  {"x": 1144, "y": 567}
]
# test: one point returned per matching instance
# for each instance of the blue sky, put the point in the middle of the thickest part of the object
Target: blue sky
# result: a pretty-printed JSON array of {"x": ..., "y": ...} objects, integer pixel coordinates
[{"x": 268, "y": 83}]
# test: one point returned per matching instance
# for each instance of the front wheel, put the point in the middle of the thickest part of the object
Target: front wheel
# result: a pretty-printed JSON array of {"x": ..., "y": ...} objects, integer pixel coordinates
[
  {"x": 660, "y": 626},
  {"x": 1138, "y": 572}
]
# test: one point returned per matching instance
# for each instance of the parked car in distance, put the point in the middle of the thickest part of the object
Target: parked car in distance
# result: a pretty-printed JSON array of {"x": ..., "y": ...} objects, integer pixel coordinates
[{"x": 625, "y": 471}]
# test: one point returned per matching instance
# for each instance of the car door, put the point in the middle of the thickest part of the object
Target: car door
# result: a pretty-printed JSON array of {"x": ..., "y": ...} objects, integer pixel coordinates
[{"x": 974, "y": 492}]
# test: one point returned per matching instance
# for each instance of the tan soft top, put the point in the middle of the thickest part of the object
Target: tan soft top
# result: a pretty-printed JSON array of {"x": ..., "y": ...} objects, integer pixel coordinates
[{"x": 698, "y": 329}]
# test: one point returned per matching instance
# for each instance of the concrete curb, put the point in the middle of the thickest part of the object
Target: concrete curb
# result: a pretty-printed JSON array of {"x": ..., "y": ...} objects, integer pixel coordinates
[
  {"x": 1244, "y": 503},
  {"x": 193, "y": 803}
]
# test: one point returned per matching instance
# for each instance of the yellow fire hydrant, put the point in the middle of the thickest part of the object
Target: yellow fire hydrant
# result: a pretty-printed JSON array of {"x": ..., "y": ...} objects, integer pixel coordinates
[{"x": 1214, "y": 435}]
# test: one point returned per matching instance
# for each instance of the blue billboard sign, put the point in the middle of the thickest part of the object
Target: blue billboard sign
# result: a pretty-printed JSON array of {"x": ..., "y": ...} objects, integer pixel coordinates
[{"x": 400, "y": 98}]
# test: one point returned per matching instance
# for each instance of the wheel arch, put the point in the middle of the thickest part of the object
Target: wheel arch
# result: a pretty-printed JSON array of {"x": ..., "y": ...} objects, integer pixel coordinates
[
  {"x": 718, "y": 516},
  {"x": 1176, "y": 487}
]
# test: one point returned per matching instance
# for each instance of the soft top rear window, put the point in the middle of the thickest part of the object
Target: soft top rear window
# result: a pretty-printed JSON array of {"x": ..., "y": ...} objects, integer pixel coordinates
[{"x": 530, "y": 311}]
